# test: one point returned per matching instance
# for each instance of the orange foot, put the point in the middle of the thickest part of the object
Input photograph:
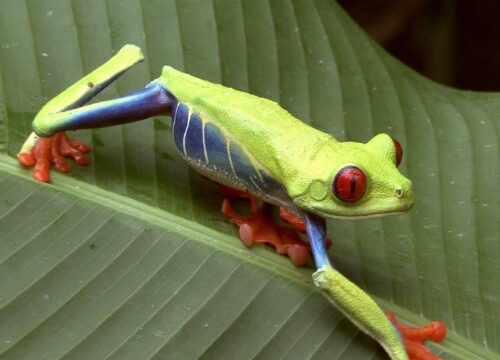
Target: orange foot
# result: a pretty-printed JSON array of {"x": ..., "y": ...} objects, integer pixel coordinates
[
  {"x": 53, "y": 150},
  {"x": 413, "y": 338},
  {"x": 288, "y": 216},
  {"x": 259, "y": 227}
]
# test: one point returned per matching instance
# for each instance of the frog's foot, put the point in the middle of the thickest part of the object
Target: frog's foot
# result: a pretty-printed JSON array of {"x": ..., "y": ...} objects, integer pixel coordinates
[
  {"x": 259, "y": 227},
  {"x": 413, "y": 338},
  {"x": 52, "y": 151},
  {"x": 228, "y": 192},
  {"x": 296, "y": 222}
]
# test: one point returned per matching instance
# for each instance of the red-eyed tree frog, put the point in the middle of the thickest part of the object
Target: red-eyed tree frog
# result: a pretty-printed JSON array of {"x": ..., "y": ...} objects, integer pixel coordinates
[{"x": 253, "y": 145}]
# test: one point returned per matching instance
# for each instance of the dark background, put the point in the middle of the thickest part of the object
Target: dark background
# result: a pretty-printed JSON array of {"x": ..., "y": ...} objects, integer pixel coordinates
[{"x": 455, "y": 42}]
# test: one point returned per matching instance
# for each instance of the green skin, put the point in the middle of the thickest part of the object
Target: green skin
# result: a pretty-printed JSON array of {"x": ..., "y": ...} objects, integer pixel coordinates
[{"x": 304, "y": 160}]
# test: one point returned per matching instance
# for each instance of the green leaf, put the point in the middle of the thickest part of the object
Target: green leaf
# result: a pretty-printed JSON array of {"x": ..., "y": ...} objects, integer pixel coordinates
[{"x": 130, "y": 258}]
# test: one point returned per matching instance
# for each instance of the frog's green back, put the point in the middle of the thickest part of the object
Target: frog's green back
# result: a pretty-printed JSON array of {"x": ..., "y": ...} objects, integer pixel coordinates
[{"x": 270, "y": 134}]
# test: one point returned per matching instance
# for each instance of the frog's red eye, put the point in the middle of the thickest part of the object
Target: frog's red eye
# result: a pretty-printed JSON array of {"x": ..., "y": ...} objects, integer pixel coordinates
[
  {"x": 349, "y": 184},
  {"x": 399, "y": 152}
]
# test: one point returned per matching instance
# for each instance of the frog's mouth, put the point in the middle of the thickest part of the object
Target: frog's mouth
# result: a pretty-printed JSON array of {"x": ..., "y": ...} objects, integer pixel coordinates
[
  {"x": 388, "y": 208},
  {"x": 396, "y": 209},
  {"x": 359, "y": 217}
]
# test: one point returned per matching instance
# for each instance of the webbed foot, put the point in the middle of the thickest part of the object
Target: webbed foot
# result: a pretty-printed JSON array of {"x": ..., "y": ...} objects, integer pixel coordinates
[
  {"x": 259, "y": 227},
  {"x": 52, "y": 151},
  {"x": 413, "y": 338},
  {"x": 296, "y": 222}
]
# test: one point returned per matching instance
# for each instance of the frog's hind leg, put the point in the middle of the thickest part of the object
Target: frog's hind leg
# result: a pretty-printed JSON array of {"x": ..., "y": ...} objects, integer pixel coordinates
[{"x": 67, "y": 112}]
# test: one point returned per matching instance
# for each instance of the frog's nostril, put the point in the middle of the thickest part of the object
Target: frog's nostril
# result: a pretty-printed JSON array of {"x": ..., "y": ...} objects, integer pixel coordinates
[{"x": 399, "y": 193}]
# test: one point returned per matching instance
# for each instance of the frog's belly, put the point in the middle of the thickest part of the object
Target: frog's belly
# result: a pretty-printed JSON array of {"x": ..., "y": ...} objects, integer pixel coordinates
[{"x": 208, "y": 151}]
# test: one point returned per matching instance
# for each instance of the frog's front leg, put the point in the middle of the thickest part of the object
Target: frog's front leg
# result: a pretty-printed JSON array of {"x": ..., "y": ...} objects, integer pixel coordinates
[
  {"x": 47, "y": 145},
  {"x": 401, "y": 342}
]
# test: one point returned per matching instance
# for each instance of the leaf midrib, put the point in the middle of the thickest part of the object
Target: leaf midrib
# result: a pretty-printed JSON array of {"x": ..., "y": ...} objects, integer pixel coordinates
[{"x": 159, "y": 217}]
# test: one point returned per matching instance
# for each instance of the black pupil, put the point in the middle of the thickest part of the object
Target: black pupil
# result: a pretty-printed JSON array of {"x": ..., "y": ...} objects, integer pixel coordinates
[{"x": 353, "y": 184}]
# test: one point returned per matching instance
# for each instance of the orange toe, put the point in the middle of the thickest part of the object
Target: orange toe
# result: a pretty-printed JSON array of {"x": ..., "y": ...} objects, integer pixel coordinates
[
  {"x": 247, "y": 234},
  {"x": 80, "y": 146},
  {"x": 288, "y": 216},
  {"x": 42, "y": 171},
  {"x": 26, "y": 159},
  {"x": 299, "y": 255}
]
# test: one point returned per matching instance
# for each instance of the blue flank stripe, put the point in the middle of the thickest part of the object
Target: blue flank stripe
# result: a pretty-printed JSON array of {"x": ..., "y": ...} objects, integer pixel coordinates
[
  {"x": 244, "y": 168},
  {"x": 217, "y": 149},
  {"x": 188, "y": 137},
  {"x": 179, "y": 125},
  {"x": 194, "y": 139}
]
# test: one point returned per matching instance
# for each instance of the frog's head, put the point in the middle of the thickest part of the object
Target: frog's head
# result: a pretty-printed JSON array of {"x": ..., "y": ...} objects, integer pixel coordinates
[{"x": 355, "y": 180}]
